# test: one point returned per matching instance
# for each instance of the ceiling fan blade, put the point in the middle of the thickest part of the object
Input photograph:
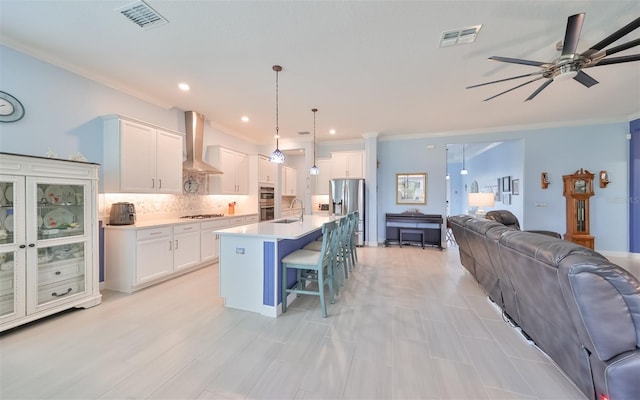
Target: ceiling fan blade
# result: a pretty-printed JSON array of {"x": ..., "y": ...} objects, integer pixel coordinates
[
  {"x": 519, "y": 61},
  {"x": 585, "y": 79},
  {"x": 618, "y": 60},
  {"x": 506, "y": 79},
  {"x": 622, "y": 47},
  {"x": 630, "y": 27},
  {"x": 540, "y": 89},
  {"x": 513, "y": 88},
  {"x": 572, "y": 35}
]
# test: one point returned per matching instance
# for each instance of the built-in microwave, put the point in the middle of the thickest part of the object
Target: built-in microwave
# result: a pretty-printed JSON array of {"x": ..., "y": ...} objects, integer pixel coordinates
[{"x": 267, "y": 195}]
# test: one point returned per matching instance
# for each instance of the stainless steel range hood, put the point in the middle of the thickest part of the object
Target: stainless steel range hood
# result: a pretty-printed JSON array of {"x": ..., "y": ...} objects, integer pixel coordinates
[{"x": 194, "y": 124}]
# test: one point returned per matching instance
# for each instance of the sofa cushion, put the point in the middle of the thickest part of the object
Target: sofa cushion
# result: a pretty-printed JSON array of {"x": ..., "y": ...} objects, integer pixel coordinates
[{"x": 607, "y": 300}]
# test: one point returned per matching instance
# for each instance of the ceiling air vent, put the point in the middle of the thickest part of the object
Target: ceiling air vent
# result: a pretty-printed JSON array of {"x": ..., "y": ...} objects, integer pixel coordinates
[
  {"x": 304, "y": 133},
  {"x": 141, "y": 14},
  {"x": 459, "y": 36}
]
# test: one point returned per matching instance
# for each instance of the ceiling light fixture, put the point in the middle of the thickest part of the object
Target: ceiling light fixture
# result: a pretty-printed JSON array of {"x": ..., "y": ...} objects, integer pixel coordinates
[
  {"x": 463, "y": 171},
  {"x": 183, "y": 86},
  {"x": 332, "y": 131},
  {"x": 314, "y": 170},
  {"x": 244, "y": 118},
  {"x": 277, "y": 156}
]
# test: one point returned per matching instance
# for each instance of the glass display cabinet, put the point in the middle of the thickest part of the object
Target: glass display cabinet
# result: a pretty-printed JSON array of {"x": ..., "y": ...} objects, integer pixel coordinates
[
  {"x": 578, "y": 188},
  {"x": 48, "y": 237}
]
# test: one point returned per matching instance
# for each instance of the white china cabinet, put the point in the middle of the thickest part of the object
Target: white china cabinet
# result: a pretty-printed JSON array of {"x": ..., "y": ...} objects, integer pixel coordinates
[{"x": 48, "y": 237}]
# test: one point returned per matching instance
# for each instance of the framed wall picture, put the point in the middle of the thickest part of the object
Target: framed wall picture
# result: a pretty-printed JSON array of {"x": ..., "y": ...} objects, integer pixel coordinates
[
  {"x": 506, "y": 198},
  {"x": 515, "y": 187},
  {"x": 499, "y": 190},
  {"x": 411, "y": 188},
  {"x": 506, "y": 183}
]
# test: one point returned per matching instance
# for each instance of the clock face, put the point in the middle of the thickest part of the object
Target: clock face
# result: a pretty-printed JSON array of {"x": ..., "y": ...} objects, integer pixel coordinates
[
  {"x": 11, "y": 110},
  {"x": 191, "y": 186},
  {"x": 580, "y": 186}
]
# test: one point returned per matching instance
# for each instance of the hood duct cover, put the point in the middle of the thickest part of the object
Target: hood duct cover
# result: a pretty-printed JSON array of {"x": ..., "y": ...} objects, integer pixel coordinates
[{"x": 194, "y": 124}]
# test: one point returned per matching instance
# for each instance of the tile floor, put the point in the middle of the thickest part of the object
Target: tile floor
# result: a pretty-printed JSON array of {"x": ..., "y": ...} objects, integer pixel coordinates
[{"x": 409, "y": 324}]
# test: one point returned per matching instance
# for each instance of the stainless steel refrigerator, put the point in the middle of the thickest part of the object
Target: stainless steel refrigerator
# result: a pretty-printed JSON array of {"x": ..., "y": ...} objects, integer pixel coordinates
[{"x": 346, "y": 196}]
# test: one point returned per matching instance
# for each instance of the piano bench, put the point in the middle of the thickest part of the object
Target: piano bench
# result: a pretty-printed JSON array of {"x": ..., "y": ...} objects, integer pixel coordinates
[{"x": 412, "y": 232}]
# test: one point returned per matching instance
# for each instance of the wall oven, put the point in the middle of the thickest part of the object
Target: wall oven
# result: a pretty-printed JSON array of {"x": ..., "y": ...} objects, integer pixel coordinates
[{"x": 266, "y": 198}]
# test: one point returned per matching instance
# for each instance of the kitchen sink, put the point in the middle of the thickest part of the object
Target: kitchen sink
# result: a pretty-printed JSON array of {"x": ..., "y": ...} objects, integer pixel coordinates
[{"x": 285, "y": 221}]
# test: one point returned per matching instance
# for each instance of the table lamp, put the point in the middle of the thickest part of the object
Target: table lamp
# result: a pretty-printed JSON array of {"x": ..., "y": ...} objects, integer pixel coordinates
[{"x": 481, "y": 200}]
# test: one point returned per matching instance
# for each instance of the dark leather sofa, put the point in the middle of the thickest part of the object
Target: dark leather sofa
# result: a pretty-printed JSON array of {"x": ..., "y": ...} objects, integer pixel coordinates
[{"x": 579, "y": 308}]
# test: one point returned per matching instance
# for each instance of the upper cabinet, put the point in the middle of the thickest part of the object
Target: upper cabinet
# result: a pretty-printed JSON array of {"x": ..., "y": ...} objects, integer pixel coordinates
[
  {"x": 323, "y": 178},
  {"x": 235, "y": 168},
  {"x": 289, "y": 179},
  {"x": 141, "y": 158},
  {"x": 266, "y": 170},
  {"x": 347, "y": 164}
]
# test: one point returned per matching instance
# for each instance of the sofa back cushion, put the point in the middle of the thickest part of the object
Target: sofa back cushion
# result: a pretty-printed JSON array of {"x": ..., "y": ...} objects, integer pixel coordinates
[{"x": 607, "y": 304}]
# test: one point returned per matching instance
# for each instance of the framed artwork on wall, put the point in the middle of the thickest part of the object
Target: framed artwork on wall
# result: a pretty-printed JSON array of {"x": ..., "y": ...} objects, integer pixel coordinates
[
  {"x": 499, "y": 190},
  {"x": 506, "y": 183},
  {"x": 506, "y": 198},
  {"x": 411, "y": 188},
  {"x": 515, "y": 187}
]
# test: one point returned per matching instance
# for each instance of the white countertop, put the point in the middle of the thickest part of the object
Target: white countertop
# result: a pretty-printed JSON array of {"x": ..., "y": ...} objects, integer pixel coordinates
[
  {"x": 274, "y": 230},
  {"x": 153, "y": 223}
]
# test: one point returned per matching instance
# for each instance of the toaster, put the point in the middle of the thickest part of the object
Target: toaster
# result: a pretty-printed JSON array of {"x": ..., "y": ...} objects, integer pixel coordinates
[{"x": 122, "y": 214}]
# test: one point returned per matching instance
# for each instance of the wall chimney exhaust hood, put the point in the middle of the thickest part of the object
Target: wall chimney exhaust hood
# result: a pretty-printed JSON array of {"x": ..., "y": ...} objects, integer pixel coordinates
[{"x": 194, "y": 129}]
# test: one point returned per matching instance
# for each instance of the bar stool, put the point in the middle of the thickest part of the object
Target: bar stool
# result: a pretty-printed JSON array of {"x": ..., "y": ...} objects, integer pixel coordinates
[{"x": 313, "y": 266}]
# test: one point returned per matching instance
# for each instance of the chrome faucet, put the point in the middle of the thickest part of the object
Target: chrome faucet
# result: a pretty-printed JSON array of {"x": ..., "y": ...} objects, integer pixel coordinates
[{"x": 301, "y": 207}]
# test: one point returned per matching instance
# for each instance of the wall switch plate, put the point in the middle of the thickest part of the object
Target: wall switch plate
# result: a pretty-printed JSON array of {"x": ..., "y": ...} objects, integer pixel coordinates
[
  {"x": 239, "y": 250},
  {"x": 541, "y": 204}
]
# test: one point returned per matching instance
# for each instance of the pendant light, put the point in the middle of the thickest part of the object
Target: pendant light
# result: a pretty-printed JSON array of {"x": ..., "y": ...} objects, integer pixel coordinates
[
  {"x": 463, "y": 171},
  {"x": 314, "y": 170},
  {"x": 277, "y": 156}
]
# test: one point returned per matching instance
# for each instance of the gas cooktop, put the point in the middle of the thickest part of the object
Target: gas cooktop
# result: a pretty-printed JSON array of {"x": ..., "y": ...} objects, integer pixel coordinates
[{"x": 203, "y": 216}]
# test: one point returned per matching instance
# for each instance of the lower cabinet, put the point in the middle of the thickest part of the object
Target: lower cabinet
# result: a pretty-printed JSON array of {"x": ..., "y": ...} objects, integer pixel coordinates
[
  {"x": 186, "y": 246},
  {"x": 139, "y": 257},
  {"x": 153, "y": 255}
]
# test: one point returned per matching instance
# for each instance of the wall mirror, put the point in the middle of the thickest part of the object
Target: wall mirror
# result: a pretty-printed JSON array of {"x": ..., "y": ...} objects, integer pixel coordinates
[{"x": 411, "y": 188}]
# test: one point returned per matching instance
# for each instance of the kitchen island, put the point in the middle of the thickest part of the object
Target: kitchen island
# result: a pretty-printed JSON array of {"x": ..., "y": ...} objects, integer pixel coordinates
[{"x": 250, "y": 257}]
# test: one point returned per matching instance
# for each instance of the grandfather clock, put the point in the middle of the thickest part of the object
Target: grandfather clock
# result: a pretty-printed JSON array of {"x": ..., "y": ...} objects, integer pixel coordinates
[{"x": 578, "y": 188}]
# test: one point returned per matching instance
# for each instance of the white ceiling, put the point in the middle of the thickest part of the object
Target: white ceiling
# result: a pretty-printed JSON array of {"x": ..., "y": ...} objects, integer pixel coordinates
[{"x": 367, "y": 66}]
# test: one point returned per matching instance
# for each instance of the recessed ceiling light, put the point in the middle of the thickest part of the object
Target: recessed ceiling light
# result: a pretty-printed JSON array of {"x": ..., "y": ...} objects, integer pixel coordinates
[
  {"x": 183, "y": 86},
  {"x": 244, "y": 118},
  {"x": 332, "y": 131}
]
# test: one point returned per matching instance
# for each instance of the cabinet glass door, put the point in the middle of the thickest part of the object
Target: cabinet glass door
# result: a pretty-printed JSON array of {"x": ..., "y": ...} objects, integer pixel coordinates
[
  {"x": 57, "y": 219},
  {"x": 60, "y": 210},
  {"x": 12, "y": 258}
]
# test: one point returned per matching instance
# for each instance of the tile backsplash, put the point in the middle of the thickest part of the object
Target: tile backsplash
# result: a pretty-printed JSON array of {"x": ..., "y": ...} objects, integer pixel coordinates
[{"x": 164, "y": 206}]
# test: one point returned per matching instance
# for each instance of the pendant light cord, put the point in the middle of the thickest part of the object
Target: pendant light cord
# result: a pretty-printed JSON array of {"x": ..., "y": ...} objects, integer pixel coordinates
[{"x": 277, "y": 119}]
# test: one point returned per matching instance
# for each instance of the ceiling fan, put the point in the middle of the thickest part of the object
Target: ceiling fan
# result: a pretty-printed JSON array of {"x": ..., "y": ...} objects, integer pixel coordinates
[{"x": 570, "y": 64}]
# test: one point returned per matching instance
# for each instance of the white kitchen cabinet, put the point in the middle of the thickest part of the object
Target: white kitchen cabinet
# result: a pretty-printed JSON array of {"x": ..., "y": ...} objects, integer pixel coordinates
[
  {"x": 139, "y": 257},
  {"x": 209, "y": 240},
  {"x": 235, "y": 168},
  {"x": 347, "y": 164},
  {"x": 48, "y": 237},
  {"x": 290, "y": 181},
  {"x": 323, "y": 178},
  {"x": 141, "y": 158},
  {"x": 154, "y": 255},
  {"x": 186, "y": 246},
  {"x": 266, "y": 170}
]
